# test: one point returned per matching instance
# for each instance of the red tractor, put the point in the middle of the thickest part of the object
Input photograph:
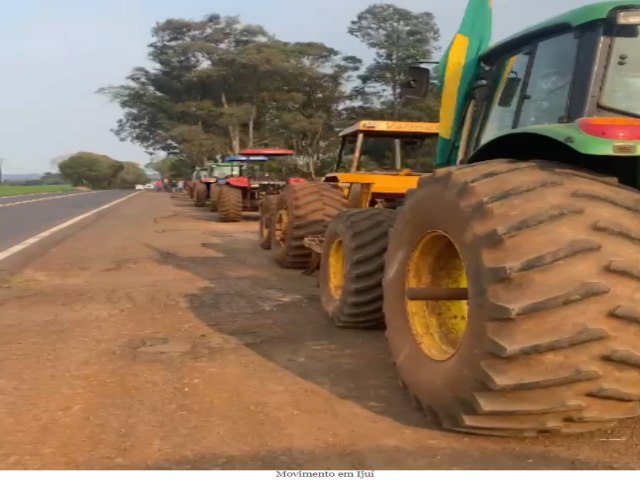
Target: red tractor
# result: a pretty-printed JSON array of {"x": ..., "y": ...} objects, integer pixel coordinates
[{"x": 248, "y": 191}]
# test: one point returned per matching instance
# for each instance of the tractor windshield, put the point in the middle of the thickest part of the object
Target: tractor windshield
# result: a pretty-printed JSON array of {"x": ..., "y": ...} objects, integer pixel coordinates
[
  {"x": 379, "y": 154},
  {"x": 621, "y": 90},
  {"x": 222, "y": 171}
]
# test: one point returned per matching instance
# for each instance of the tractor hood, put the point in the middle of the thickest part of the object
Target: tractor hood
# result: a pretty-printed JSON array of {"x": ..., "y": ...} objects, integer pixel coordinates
[{"x": 382, "y": 182}]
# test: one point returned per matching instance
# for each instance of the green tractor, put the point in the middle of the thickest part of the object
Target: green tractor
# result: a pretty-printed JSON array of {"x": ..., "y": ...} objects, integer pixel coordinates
[
  {"x": 207, "y": 182},
  {"x": 511, "y": 275}
]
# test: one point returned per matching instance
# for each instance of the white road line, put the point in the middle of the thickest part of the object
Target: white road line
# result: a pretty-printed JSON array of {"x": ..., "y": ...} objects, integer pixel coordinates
[
  {"x": 29, "y": 194},
  {"x": 30, "y": 241},
  {"x": 2, "y": 205}
]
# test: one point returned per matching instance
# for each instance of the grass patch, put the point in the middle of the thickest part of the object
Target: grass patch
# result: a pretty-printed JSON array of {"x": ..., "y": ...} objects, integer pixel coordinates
[
  {"x": 14, "y": 281},
  {"x": 12, "y": 190}
]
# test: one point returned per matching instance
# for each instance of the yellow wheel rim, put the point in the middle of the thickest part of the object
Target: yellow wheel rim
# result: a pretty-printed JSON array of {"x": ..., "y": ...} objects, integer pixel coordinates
[
  {"x": 437, "y": 325},
  {"x": 282, "y": 226},
  {"x": 336, "y": 268}
]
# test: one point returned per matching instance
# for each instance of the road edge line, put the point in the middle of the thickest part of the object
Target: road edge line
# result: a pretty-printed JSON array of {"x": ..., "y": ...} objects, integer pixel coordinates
[
  {"x": 33, "y": 194},
  {"x": 36, "y": 238},
  {"x": 35, "y": 200}
]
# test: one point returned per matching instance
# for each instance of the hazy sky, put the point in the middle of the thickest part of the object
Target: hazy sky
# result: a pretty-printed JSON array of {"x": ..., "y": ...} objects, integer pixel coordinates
[{"x": 54, "y": 55}]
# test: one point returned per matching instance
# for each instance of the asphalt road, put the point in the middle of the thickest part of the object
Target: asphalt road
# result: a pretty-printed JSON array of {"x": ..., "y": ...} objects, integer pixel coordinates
[{"x": 22, "y": 217}]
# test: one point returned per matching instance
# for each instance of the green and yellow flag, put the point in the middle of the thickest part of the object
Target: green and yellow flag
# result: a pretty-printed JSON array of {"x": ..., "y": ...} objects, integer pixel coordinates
[{"x": 458, "y": 70}]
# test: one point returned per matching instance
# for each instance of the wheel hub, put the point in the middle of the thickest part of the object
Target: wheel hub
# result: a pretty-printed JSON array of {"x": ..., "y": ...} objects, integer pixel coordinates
[
  {"x": 436, "y": 296},
  {"x": 336, "y": 268}
]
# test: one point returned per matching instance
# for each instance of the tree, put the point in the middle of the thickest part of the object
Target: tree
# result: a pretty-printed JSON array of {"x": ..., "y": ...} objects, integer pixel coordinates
[
  {"x": 399, "y": 38},
  {"x": 189, "y": 104},
  {"x": 130, "y": 176},
  {"x": 90, "y": 170},
  {"x": 162, "y": 166},
  {"x": 218, "y": 86}
]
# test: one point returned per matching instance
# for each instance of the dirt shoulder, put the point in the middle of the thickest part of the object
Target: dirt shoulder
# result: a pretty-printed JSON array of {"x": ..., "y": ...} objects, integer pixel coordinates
[{"x": 159, "y": 338}]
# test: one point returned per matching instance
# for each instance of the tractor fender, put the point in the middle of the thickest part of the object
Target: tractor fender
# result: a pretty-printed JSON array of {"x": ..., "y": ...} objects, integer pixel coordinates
[
  {"x": 295, "y": 180},
  {"x": 240, "y": 182},
  {"x": 524, "y": 146}
]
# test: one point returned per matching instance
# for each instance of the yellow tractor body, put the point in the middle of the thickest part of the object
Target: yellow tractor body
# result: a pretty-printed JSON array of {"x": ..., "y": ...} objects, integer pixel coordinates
[{"x": 369, "y": 188}]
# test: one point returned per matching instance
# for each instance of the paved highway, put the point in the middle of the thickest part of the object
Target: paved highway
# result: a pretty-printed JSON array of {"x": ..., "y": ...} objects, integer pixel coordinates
[
  {"x": 23, "y": 217},
  {"x": 33, "y": 197}
]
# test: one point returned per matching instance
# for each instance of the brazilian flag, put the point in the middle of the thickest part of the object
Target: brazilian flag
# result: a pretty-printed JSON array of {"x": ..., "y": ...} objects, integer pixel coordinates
[{"x": 458, "y": 70}]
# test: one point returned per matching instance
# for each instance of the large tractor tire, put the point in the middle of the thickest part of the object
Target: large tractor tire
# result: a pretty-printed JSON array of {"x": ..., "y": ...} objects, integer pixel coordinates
[
  {"x": 214, "y": 193},
  {"x": 303, "y": 210},
  {"x": 352, "y": 267},
  {"x": 230, "y": 204},
  {"x": 200, "y": 195},
  {"x": 267, "y": 211},
  {"x": 548, "y": 340}
]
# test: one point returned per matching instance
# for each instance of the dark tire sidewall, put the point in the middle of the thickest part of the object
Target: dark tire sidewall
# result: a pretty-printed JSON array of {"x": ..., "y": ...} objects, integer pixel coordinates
[
  {"x": 214, "y": 194},
  {"x": 440, "y": 383},
  {"x": 225, "y": 193}
]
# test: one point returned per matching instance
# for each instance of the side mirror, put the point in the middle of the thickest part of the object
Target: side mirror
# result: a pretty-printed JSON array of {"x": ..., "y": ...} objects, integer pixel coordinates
[
  {"x": 509, "y": 91},
  {"x": 416, "y": 84}
]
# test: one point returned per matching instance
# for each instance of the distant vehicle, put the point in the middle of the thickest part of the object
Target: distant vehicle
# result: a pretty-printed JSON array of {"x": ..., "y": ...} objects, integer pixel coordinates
[
  {"x": 147, "y": 186},
  {"x": 140, "y": 187}
]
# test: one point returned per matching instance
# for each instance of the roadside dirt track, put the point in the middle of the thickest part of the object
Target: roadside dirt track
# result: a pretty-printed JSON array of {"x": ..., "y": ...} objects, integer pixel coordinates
[{"x": 158, "y": 338}]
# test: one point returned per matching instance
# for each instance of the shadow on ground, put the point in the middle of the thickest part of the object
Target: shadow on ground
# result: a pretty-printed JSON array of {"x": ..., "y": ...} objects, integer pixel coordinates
[
  {"x": 189, "y": 210},
  {"x": 276, "y": 313}
]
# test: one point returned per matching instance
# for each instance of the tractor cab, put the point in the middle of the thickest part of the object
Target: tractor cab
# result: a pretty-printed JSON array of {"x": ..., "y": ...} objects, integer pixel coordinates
[
  {"x": 379, "y": 161},
  {"x": 250, "y": 168},
  {"x": 386, "y": 146},
  {"x": 219, "y": 172},
  {"x": 255, "y": 181},
  {"x": 566, "y": 88},
  {"x": 271, "y": 177}
]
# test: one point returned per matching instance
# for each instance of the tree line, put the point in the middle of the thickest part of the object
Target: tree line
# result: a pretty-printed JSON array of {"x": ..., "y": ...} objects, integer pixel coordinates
[
  {"x": 100, "y": 172},
  {"x": 218, "y": 85}
]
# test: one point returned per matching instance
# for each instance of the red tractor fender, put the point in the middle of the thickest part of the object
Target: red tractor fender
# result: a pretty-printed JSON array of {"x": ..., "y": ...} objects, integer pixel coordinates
[
  {"x": 240, "y": 182},
  {"x": 294, "y": 180}
]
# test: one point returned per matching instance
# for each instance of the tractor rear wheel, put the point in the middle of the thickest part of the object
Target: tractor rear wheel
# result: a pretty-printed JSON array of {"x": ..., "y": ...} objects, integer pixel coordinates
[
  {"x": 303, "y": 210},
  {"x": 352, "y": 267},
  {"x": 230, "y": 204},
  {"x": 547, "y": 257},
  {"x": 267, "y": 211},
  {"x": 214, "y": 193},
  {"x": 200, "y": 195}
]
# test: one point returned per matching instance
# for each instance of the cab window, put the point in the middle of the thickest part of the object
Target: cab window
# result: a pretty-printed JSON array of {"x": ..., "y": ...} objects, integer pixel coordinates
[
  {"x": 546, "y": 98},
  {"x": 504, "y": 105}
]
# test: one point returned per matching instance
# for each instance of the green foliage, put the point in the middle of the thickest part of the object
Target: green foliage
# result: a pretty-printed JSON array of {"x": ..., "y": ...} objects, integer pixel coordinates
[
  {"x": 100, "y": 171},
  {"x": 217, "y": 86},
  {"x": 399, "y": 38},
  {"x": 130, "y": 176}
]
